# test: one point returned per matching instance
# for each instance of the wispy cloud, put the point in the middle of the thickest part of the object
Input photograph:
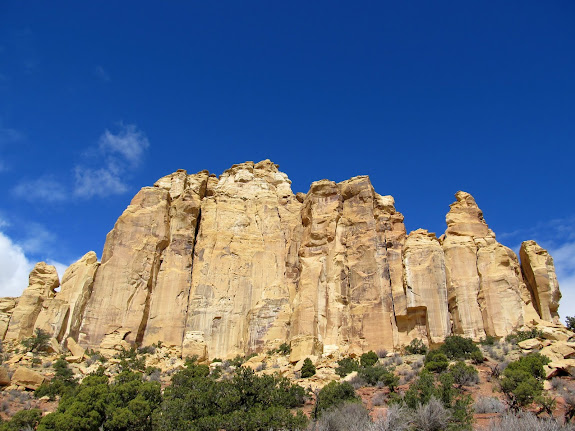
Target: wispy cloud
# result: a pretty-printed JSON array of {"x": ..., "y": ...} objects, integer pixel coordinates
[
  {"x": 101, "y": 73},
  {"x": 8, "y": 136},
  {"x": 44, "y": 189},
  {"x": 104, "y": 172},
  {"x": 120, "y": 152}
]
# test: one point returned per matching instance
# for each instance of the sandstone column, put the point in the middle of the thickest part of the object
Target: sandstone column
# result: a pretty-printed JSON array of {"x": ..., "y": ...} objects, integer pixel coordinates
[
  {"x": 43, "y": 281},
  {"x": 539, "y": 274},
  {"x": 119, "y": 305}
]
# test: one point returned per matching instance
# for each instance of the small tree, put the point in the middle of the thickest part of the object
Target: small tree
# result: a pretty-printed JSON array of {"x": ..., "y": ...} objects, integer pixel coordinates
[
  {"x": 436, "y": 361},
  {"x": 368, "y": 359},
  {"x": 333, "y": 394},
  {"x": 39, "y": 342},
  {"x": 570, "y": 323},
  {"x": 346, "y": 366},
  {"x": 308, "y": 369},
  {"x": 416, "y": 347}
]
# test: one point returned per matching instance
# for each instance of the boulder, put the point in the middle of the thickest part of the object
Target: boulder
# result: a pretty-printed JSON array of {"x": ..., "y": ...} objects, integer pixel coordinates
[{"x": 27, "y": 378}]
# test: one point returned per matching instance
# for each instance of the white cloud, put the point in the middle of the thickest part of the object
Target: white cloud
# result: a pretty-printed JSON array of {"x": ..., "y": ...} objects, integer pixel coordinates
[
  {"x": 130, "y": 143},
  {"x": 14, "y": 268},
  {"x": 115, "y": 156},
  {"x": 121, "y": 152},
  {"x": 98, "y": 182},
  {"x": 45, "y": 189},
  {"x": 15, "y": 262}
]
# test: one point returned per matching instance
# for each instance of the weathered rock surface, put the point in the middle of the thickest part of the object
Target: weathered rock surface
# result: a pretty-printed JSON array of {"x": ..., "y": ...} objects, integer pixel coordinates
[
  {"x": 7, "y": 306},
  {"x": 426, "y": 287},
  {"x": 42, "y": 284},
  {"x": 170, "y": 295},
  {"x": 539, "y": 274},
  {"x": 217, "y": 267},
  {"x": 61, "y": 316},
  {"x": 120, "y": 299},
  {"x": 27, "y": 378},
  {"x": 242, "y": 275},
  {"x": 487, "y": 295}
]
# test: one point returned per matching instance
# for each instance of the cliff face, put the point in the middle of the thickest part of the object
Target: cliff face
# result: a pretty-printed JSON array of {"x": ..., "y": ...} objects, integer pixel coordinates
[{"x": 217, "y": 267}]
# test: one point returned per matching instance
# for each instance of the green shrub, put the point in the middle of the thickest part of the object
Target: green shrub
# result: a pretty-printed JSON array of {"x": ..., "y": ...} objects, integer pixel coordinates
[
  {"x": 346, "y": 366},
  {"x": 489, "y": 340},
  {"x": 436, "y": 361},
  {"x": 333, "y": 394},
  {"x": 570, "y": 323},
  {"x": 198, "y": 401},
  {"x": 39, "y": 342},
  {"x": 62, "y": 383},
  {"x": 368, "y": 359},
  {"x": 23, "y": 420},
  {"x": 456, "y": 347},
  {"x": 519, "y": 336},
  {"x": 284, "y": 349},
  {"x": 308, "y": 369},
  {"x": 463, "y": 374},
  {"x": 522, "y": 379},
  {"x": 379, "y": 374},
  {"x": 416, "y": 347}
]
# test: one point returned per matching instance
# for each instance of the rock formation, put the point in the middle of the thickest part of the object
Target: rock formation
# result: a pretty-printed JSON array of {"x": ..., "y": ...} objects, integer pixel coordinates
[
  {"x": 42, "y": 285},
  {"x": 539, "y": 274},
  {"x": 217, "y": 267}
]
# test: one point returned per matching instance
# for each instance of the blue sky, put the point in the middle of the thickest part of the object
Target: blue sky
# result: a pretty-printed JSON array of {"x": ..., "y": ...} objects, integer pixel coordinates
[{"x": 428, "y": 98}]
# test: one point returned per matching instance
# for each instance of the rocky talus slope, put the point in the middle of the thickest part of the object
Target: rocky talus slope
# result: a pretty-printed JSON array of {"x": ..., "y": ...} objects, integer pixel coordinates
[{"x": 217, "y": 267}]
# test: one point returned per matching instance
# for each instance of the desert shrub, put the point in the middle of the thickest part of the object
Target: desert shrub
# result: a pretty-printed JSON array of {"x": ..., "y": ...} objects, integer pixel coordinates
[
  {"x": 127, "y": 403},
  {"x": 569, "y": 397},
  {"x": 436, "y": 361},
  {"x": 349, "y": 416},
  {"x": 357, "y": 382},
  {"x": 463, "y": 374},
  {"x": 489, "y": 405},
  {"x": 456, "y": 347},
  {"x": 416, "y": 347},
  {"x": 522, "y": 379},
  {"x": 489, "y": 340},
  {"x": 519, "y": 336},
  {"x": 432, "y": 416},
  {"x": 346, "y": 366},
  {"x": 422, "y": 391},
  {"x": 333, "y": 394},
  {"x": 217, "y": 360},
  {"x": 368, "y": 359},
  {"x": 38, "y": 342},
  {"x": 397, "y": 418},
  {"x": 570, "y": 323},
  {"x": 62, "y": 383},
  {"x": 308, "y": 369},
  {"x": 197, "y": 400},
  {"x": 145, "y": 350},
  {"x": 374, "y": 375},
  {"x": 381, "y": 353},
  {"x": 525, "y": 421},
  {"x": 23, "y": 420}
]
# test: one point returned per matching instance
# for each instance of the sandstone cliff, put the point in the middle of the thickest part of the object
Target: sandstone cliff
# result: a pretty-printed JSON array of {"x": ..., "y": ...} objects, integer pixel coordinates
[{"x": 217, "y": 267}]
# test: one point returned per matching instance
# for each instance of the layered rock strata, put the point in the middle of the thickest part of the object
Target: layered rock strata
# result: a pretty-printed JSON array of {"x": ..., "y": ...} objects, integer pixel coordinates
[{"x": 217, "y": 267}]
